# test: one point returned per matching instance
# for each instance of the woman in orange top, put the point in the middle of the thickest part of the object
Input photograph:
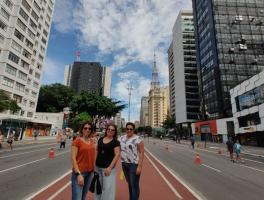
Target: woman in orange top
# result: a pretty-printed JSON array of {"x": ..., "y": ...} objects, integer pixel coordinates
[{"x": 83, "y": 161}]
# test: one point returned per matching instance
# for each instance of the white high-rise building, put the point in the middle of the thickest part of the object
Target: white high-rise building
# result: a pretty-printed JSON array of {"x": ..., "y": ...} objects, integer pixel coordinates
[
  {"x": 107, "y": 81},
  {"x": 67, "y": 75},
  {"x": 144, "y": 114},
  {"x": 24, "y": 34}
]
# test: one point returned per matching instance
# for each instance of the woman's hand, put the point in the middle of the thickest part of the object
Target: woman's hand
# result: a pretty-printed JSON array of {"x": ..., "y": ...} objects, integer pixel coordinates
[
  {"x": 107, "y": 171},
  {"x": 138, "y": 171},
  {"x": 80, "y": 180}
]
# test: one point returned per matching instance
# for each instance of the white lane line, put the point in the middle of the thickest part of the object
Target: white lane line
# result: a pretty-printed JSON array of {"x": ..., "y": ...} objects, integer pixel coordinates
[
  {"x": 27, "y": 147},
  {"x": 259, "y": 170},
  {"x": 47, "y": 186},
  {"x": 217, "y": 170},
  {"x": 195, "y": 194},
  {"x": 17, "y": 154},
  {"x": 59, "y": 191},
  {"x": 164, "y": 178},
  {"x": 18, "y": 166}
]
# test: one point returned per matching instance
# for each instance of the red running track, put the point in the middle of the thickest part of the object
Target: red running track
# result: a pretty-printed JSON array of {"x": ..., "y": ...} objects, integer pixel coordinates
[{"x": 156, "y": 183}]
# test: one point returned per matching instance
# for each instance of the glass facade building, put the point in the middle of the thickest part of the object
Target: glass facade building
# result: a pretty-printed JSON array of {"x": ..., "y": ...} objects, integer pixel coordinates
[{"x": 230, "y": 49}]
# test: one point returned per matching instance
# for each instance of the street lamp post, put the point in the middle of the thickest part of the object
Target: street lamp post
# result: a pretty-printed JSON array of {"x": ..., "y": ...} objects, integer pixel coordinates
[{"x": 129, "y": 88}]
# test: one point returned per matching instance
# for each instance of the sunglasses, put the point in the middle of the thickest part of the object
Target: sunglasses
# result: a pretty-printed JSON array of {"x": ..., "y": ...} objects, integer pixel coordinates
[
  {"x": 129, "y": 129},
  {"x": 86, "y": 128},
  {"x": 109, "y": 129}
]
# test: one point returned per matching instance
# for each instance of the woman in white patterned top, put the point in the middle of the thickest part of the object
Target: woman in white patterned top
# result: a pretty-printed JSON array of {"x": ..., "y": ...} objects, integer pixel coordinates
[{"x": 132, "y": 154}]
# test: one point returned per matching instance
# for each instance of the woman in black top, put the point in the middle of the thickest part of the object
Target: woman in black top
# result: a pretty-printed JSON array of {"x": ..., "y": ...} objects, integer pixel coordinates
[{"x": 108, "y": 153}]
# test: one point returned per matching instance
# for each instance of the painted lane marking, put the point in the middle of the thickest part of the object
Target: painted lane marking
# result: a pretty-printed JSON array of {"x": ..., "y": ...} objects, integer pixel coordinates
[
  {"x": 176, "y": 193},
  {"x": 28, "y": 147},
  {"x": 47, "y": 186},
  {"x": 17, "y": 154},
  {"x": 59, "y": 191},
  {"x": 25, "y": 164},
  {"x": 259, "y": 170},
  {"x": 194, "y": 193},
  {"x": 217, "y": 170}
]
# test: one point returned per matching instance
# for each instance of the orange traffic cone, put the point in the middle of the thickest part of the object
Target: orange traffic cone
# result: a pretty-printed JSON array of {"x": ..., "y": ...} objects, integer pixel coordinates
[
  {"x": 198, "y": 159},
  {"x": 51, "y": 153}
]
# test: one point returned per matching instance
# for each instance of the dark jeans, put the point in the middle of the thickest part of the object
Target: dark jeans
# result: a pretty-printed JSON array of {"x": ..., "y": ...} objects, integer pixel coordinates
[
  {"x": 62, "y": 145},
  {"x": 132, "y": 179}
]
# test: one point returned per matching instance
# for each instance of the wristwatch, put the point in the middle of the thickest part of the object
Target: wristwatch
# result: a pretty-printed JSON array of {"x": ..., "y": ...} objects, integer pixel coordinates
[{"x": 78, "y": 173}]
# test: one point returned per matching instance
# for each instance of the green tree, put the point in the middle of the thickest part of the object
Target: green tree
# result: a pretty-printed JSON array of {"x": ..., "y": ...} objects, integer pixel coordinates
[
  {"x": 169, "y": 122},
  {"x": 95, "y": 105},
  {"x": 4, "y": 101},
  {"x": 79, "y": 119},
  {"x": 54, "y": 97},
  {"x": 148, "y": 130}
]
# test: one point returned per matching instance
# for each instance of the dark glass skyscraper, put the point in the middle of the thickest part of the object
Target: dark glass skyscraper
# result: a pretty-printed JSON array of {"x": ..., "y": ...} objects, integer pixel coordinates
[
  {"x": 86, "y": 76},
  {"x": 230, "y": 49}
]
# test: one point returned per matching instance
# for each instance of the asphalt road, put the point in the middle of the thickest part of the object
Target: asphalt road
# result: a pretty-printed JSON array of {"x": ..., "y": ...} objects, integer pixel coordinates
[
  {"x": 27, "y": 169},
  {"x": 217, "y": 177}
]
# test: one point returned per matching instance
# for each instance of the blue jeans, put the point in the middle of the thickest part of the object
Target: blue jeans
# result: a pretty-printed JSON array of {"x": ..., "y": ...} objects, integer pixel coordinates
[
  {"x": 108, "y": 184},
  {"x": 80, "y": 192},
  {"x": 132, "y": 179}
]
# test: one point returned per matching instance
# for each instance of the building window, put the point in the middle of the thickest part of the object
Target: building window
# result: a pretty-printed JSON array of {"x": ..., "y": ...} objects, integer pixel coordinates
[
  {"x": 19, "y": 35},
  {"x": 13, "y": 57},
  {"x": 30, "y": 114},
  {"x": 26, "y": 5},
  {"x": 5, "y": 14},
  {"x": 23, "y": 14},
  {"x": 20, "y": 87},
  {"x": 2, "y": 39},
  {"x": 37, "y": 75},
  {"x": 249, "y": 120},
  {"x": 34, "y": 15},
  {"x": 3, "y": 26},
  {"x": 35, "y": 85},
  {"x": 16, "y": 46},
  {"x": 11, "y": 70},
  {"x": 8, "y": 82},
  {"x": 22, "y": 76},
  {"x": 17, "y": 98},
  {"x": 21, "y": 25},
  {"x": 9, "y": 4}
]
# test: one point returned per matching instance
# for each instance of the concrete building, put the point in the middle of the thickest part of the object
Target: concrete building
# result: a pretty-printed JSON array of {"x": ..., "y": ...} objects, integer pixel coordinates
[
  {"x": 67, "y": 75},
  {"x": 144, "y": 115},
  {"x": 158, "y": 106},
  {"x": 183, "y": 79},
  {"x": 24, "y": 34},
  {"x": 118, "y": 120},
  {"x": 229, "y": 41},
  {"x": 107, "y": 81},
  {"x": 87, "y": 76},
  {"x": 247, "y": 101}
]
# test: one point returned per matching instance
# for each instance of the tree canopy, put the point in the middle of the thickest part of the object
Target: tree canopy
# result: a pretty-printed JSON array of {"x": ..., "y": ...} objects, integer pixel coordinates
[
  {"x": 169, "y": 123},
  {"x": 6, "y": 103},
  {"x": 54, "y": 97},
  {"x": 79, "y": 119},
  {"x": 95, "y": 105}
]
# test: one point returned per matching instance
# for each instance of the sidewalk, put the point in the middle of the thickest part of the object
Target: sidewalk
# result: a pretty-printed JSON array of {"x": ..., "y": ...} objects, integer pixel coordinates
[{"x": 155, "y": 183}]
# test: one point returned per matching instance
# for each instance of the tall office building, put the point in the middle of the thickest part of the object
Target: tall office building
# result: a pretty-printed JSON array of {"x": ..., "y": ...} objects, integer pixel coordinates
[
  {"x": 87, "y": 76},
  {"x": 158, "y": 100},
  {"x": 230, "y": 49},
  {"x": 24, "y": 34},
  {"x": 144, "y": 116},
  {"x": 67, "y": 75},
  {"x": 183, "y": 80},
  {"x": 107, "y": 81}
]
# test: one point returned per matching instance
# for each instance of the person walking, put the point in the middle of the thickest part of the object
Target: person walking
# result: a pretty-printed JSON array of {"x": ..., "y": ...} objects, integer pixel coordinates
[
  {"x": 193, "y": 141},
  {"x": 108, "y": 153},
  {"x": 63, "y": 141},
  {"x": 83, "y": 152},
  {"x": 237, "y": 149},
  {"x": 230, "y": 148},
  {"x": 132, "y": 155},
  {"x": 10, "y": 139},
  {"x": 1, "y": 138}
]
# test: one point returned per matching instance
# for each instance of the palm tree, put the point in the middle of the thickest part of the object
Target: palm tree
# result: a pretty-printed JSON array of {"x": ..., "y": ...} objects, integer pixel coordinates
[{"x": 4, "y": 100}]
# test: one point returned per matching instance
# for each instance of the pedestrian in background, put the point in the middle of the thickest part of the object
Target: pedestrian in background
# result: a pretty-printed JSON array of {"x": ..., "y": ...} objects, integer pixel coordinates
[
  {"x": 193, "y": 140},
  {"x": 63, "y": 141},
  {"x": 237, "y": 149},
  {"x": 83, "y": 154},
  {"x": 230, "y": 148},
  {"x": 108, "y": 153},
  {"x": 10, "y": 139},
  {"x": 132, "y": 154},
  {"x": 1, "y": 138}
]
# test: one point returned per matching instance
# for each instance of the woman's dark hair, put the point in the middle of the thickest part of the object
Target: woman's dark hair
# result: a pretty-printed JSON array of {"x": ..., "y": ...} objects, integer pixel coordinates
[
  {"x": 115, "y": 127},
  {"x": 82, "y": 126},
  {"x": 131, "y": 124}
]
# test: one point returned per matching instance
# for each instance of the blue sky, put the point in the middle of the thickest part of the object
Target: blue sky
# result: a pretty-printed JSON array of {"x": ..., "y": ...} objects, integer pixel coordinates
[{"x": 121, "y": 34}]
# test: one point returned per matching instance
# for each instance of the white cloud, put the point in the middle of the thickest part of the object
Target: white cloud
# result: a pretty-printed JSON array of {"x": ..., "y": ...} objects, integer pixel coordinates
[{"x": 51, "y": 70}]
